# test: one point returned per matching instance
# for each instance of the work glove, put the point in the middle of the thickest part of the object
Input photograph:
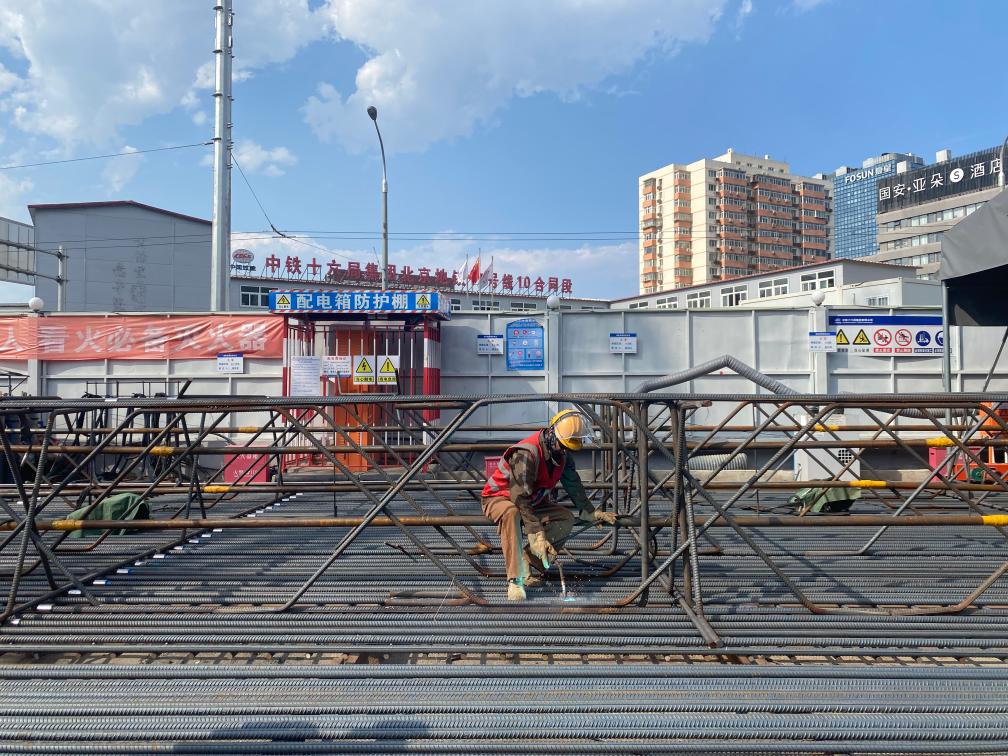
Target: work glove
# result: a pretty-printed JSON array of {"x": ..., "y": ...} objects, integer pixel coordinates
[
  {"x": 541, "y": 548},
  {"x": 598, "y": 517}
]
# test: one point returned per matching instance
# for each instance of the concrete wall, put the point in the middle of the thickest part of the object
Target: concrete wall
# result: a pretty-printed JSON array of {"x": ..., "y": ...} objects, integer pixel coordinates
[{"x": 125, "y": 258}]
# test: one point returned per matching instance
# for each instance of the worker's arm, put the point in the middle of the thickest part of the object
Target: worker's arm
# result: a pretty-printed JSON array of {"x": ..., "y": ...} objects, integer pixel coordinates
[
  {"x": 587, "y": 512},
  {"x": 523, "y": 478},
  {"x": 571, "y": 482}
]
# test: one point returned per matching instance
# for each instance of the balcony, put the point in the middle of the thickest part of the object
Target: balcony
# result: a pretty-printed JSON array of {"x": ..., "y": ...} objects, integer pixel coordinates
[
  {"x": 732, "y": 205},
  {"x": 731, "y": 192},
  {"x": 648, "y": 243},
  {"x": 731, "y": 181},
  {"x": 681, "y": 182},
  {"x": 724, "y": 234}
]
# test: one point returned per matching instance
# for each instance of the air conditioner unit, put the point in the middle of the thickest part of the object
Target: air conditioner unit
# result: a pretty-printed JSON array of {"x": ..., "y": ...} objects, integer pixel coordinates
[{"x": 830, "y": 463}]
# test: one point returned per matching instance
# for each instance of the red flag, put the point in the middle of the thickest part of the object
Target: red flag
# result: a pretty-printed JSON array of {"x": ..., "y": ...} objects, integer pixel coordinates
[{"x": 474, "y": 272}]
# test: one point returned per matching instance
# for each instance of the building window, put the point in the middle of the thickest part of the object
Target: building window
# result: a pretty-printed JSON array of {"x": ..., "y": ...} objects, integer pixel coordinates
[
  {"x": 732, "y": 296},
  {"x": 699, "y": 300},
  {"x": 255, "y": 296},
  {"x": 455, "y": 304},
  {"x": 878, "y": 301},
  {"x": 824, "y": 279},
  {"x": 485, "y": 305},
  {"x": 522, "y": 307},
  {"x": 639, "y": 305},
  {"x": 775, "y": 288},
  {"x": 667, "y": 303}
]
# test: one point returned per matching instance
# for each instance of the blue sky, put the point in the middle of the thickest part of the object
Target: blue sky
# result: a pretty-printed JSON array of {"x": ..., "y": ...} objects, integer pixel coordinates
[{"x": 518, "y": 128}]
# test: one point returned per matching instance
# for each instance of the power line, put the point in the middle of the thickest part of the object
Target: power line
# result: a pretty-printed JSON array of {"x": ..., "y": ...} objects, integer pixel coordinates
[
  {"x": 359, "y": 236},
  {"x": 234, "y": 159},
  {"x": 275, "y": 230},
  {"x": 102, "y": 157}
]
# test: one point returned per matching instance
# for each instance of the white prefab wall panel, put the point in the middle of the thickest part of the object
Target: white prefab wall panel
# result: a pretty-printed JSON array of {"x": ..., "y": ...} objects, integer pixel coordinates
[
  {"x": 579, "y": 361},
  {"x": 262, "y": 377}
]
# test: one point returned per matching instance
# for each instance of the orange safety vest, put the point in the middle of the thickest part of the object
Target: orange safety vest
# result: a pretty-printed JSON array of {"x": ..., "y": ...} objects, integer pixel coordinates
[{"x": 499, "y": 484}]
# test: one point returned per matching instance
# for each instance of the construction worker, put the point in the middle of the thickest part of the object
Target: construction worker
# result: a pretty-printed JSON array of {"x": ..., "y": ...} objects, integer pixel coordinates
[{"x": 520, "y": 493}]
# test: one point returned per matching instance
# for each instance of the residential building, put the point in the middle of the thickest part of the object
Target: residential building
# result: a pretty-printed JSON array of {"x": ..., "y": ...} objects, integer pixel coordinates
[
  {"x": 915, "y": 208},
  {"x": 726, "y": 217},
  {"x": 855, "y": 200},
  {"x": 859, "y": 283}
]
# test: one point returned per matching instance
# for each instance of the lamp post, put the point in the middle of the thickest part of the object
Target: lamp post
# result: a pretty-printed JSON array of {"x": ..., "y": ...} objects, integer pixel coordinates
[
  {"x": 373, "y": 112},
  {"x": 1001, "y": 163}
]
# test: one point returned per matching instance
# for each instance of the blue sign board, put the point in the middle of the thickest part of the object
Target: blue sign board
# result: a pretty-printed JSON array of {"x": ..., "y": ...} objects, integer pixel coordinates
[
  {"x": 526, "y": 345},
  {"x": 885, "y": 320},
  {"x": 357, "y": 301}
]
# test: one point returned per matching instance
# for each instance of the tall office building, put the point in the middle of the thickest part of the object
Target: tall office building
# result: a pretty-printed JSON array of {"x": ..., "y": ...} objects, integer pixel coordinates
[
  {"x": 916, "y": 208},
  {"x": 854, "y": 201},
  {"x": 730, "y": 216}
]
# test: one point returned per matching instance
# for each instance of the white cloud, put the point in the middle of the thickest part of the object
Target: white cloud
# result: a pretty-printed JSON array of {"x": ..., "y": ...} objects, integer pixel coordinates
[
  {"x": 98, "y": 65},
  {"x": 120, "y": 171},
  {"x": 744, "y": 11},
  {"x": 200, "y": 117},
  {"x": 807, "y": 5},
  {"x": 254, "y": 158},
  {"x": 13, "y": 197},
  {"x": 437, "y": 70},
  {"x": 434, "y": 70}
]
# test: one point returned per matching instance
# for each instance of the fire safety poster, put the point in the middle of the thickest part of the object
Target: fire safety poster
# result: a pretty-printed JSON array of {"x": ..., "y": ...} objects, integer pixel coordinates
[{"x": 526, "y": 345}]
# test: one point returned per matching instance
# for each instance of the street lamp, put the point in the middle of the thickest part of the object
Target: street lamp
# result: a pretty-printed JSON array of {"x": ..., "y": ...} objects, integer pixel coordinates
[
  {"x": 1001, "y": 176},
  {"x": 373, "y": 112}
]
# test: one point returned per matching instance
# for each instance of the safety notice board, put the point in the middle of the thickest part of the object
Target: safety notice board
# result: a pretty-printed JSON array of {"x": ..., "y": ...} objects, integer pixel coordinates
[
  {"x": 526, "y": 345},
  {"x": 889, "y": 335}
]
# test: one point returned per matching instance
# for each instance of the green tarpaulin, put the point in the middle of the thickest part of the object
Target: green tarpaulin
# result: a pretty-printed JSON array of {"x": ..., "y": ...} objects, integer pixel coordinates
[
  {"x": 825, "y": 499},
  {"x": 124, "y": 506}
]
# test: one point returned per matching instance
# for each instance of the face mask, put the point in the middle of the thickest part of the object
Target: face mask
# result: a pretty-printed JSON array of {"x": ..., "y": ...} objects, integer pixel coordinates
[{"x": 553, "y": 447}]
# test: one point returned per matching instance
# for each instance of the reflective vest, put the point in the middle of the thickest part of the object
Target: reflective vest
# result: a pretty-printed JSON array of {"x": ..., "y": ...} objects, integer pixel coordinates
[{"x": 499, "y": 483}]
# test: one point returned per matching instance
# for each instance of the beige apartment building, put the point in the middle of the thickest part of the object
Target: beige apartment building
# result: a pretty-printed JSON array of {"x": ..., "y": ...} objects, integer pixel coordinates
[{"x": 731, "y": 216}]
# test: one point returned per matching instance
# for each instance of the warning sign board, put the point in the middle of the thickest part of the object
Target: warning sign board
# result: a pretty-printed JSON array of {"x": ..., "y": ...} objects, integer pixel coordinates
[
  {"x": 364, "y": 370},
  {"x": 283, "y": 302},
  {"x": 423, "y": 302},
  {"x": 896, "y": 335},
  {"x": 388, "y": 368}
]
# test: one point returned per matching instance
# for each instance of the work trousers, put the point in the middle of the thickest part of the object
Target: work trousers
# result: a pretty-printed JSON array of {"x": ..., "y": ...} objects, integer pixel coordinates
[{"x": 557, "y": 522}]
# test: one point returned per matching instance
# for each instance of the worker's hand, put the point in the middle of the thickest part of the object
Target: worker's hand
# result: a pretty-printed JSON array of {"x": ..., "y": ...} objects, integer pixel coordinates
[
  {"x": 598, "y": 517},
  {"x": 541, "y": 548}
]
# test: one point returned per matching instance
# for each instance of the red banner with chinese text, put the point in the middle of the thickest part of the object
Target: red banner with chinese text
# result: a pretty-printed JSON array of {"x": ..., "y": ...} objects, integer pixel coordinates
[{"x": 139, "y": 337}]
